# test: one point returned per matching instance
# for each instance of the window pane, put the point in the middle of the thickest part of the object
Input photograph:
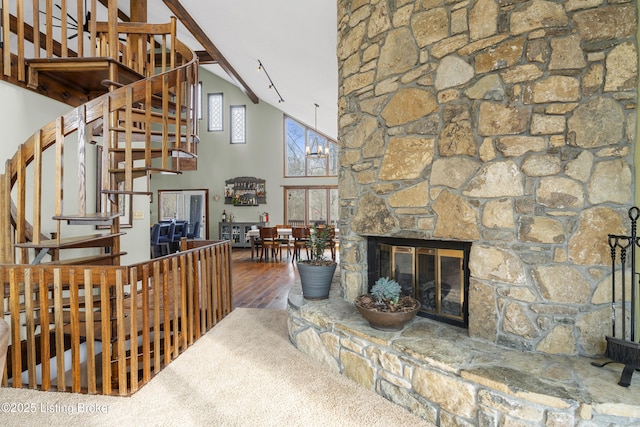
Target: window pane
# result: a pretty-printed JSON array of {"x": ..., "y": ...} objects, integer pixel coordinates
[
  {"x": 238, "y": 124},
  {"x": 215, "y": 101},
  {"x": 316, "y": 166},
  {"x": 300, "y": 139},
  {"x": 318, "y": 206},
  {"x": 294, "y": 143},
  {"x": 333, "y": 159},
  {"x": 334, "y": 216},
  {"x": 295, "y": 207}
]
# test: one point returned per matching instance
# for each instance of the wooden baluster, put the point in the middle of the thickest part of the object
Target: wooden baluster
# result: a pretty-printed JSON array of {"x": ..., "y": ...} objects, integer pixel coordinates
[
  {"x": 105, "y": 323},
  {"x": 16, "y": 347},
  {"x": 6, "y": 39},
  {"x": 37, "y": 187},
  {"x": 45, "y": 334},
  {"x": 146, "y": 346},
  {"x": 36, "y": 28},
  {"x": 30, "y": 327},
  {"x": 120, "y": 352},
  {"x": 82, "y": 174},
  {"x": 21, "y": 222},
  {"x": 157, "y": 289},
  {"x": 63, "y": 29},
  {"x": 89, "y": 332},
  {"x": 20, "y": 36},
  {"x": 74, "y": 326},
  {"x": 59, "y": 328},
  {"x": 80, "y": 14},
  {"x": 134, "y": 366},
  {"x": 59, "y": 171}
]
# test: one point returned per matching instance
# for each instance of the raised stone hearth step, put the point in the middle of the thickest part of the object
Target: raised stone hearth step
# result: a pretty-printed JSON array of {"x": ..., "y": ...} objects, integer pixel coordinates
[{"x": 437, "y": 372}]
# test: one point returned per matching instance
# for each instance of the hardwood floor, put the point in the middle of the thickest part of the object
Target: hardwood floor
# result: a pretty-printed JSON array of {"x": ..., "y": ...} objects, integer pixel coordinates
[{"x": 261, "y": 284}]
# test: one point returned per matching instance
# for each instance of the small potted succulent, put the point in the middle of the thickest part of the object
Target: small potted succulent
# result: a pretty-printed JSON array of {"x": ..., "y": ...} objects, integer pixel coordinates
[
  {"x": 385, "y": 308},
  {"x": 316, "y": 273}
]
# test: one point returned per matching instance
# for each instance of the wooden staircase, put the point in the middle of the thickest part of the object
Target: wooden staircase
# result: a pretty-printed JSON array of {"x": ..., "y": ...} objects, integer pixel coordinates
[{"x": 139, "y": 82}]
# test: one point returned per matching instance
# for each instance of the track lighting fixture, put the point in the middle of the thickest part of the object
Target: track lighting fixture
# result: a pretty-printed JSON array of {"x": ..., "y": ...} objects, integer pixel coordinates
[{"x": 272, "y": 86}]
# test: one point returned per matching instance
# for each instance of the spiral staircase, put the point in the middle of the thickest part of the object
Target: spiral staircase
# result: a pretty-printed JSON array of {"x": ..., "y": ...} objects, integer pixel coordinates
[
  {"x": 133, "y": 89},
  {"x": 139, "y": 120}
]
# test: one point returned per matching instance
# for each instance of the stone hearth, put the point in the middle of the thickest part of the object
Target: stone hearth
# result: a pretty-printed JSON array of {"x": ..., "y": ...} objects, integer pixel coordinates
[
  {"x": 439, "y": 373},
  {"x": 510, "y": 125}
]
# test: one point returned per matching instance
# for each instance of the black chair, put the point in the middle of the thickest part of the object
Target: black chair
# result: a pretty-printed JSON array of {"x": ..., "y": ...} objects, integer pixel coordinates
[
  {"x": 179, "y": 231},
  {"x": 166, "y": 235},
  {"x": 195, "y": 231},
  {"x": 159, "y": 248}
]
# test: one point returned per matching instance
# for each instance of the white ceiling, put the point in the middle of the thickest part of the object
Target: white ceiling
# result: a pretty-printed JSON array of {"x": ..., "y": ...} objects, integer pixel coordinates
[{"x": 294, "y": 39}]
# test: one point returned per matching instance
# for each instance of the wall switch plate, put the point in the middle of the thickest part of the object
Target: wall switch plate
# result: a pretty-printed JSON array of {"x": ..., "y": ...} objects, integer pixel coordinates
[{"x": 138, "y": 215}]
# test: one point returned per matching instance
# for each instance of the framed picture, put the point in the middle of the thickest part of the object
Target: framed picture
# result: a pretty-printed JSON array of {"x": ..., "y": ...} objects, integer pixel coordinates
[{"x": 125, "y": 205}]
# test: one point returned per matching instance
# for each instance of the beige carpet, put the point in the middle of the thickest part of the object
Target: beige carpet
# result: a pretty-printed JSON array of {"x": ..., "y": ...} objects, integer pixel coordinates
[{"x": 244, "y": 372}]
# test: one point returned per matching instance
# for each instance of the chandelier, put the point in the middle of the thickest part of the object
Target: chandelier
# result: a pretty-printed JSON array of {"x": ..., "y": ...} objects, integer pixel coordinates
[{"x": 315, "y": 149}]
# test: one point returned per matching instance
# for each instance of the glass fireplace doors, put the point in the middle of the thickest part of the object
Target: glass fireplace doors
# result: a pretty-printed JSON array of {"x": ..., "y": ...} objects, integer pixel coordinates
[{"x": 434, "y": 276}]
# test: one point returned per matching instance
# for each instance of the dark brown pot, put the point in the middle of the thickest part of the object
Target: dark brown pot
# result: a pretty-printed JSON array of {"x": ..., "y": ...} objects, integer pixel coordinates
[{"x": 385, "y": 320}]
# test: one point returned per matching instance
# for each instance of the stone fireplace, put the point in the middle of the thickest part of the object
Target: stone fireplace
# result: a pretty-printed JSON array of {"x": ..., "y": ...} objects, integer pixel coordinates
[{"x": 510, "y": 125}]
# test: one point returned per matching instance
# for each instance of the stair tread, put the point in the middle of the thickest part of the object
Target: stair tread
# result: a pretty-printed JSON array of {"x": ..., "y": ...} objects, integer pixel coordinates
[
  {"x": 87, "y": 73},
  {"x": 87, "y": 241},
  {"x": 90, "y": 218},
  {"x": 145, "y": 169},
  {"x": 155, "y": 152}
]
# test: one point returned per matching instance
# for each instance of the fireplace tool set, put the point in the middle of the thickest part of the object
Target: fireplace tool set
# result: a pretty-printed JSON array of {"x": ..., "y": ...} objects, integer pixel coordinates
[{"x": 624, "y": 348}]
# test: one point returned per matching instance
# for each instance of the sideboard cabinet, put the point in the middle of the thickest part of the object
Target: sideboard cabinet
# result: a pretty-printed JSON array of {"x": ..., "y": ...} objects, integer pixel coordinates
[{"x": 236, "y": 232}]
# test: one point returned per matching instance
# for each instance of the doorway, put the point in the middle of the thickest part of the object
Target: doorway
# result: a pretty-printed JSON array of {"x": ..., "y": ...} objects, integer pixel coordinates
[{"x": 186, "y": 205}]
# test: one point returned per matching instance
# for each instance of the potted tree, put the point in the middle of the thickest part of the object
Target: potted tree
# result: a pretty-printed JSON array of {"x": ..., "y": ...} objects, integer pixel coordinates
[
  {"x": 316, "y": 273},
  {"x": 384, "y": 308}
]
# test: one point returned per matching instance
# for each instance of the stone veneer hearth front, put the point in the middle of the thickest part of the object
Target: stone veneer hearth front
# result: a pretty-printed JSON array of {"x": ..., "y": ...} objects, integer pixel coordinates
[{"x": 440, "y": 374}]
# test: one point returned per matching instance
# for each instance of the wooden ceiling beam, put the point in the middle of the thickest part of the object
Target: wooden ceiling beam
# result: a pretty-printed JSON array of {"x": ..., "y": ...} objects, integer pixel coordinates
[{"x": 181, "y": 13}]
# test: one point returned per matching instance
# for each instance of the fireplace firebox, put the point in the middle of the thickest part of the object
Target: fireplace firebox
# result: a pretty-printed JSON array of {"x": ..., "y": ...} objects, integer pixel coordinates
[{"x": 434, "y": 272}]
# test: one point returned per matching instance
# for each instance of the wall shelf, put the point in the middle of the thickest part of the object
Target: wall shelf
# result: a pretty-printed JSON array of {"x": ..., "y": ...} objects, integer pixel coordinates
[{"x": 245, "y": 191}]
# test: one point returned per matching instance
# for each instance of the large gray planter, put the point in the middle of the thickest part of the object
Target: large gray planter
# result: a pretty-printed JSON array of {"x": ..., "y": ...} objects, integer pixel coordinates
[{"x": 316, "y": 280}]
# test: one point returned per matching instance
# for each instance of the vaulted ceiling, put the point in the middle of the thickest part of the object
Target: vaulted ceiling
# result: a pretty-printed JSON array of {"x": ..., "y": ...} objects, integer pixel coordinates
[{"x": 295, "y": 41}]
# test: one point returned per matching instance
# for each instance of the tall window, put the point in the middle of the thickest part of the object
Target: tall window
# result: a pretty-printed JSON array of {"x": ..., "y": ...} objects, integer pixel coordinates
[
  {"x": 298, "y": 139},
  {"x": 311, "y": 205},
  {"x": 215, "y": 101},
  {"x": 238, "y": 124}
]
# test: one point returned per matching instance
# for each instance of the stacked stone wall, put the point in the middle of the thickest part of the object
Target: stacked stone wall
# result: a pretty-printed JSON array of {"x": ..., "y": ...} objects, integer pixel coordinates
[{"x": 509, "y": 124}]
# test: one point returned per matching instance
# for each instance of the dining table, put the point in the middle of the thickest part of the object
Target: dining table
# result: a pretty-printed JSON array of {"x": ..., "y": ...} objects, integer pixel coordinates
[{"x": 254, "y": 233}]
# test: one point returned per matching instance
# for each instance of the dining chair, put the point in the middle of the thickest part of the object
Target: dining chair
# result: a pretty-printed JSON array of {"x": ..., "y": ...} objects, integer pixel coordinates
[
  {"x": 159, "y": 248},
  {"x": 285, "y": 239},
  {"x": 269, "y": 240},
  {"x": 300, "y": 238},
  {"x": 179, "y": 231},
  {"x": 165, "y": 239},
  {"x": 331, "y": 244},
  {"x": 195, "y": 232}
]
